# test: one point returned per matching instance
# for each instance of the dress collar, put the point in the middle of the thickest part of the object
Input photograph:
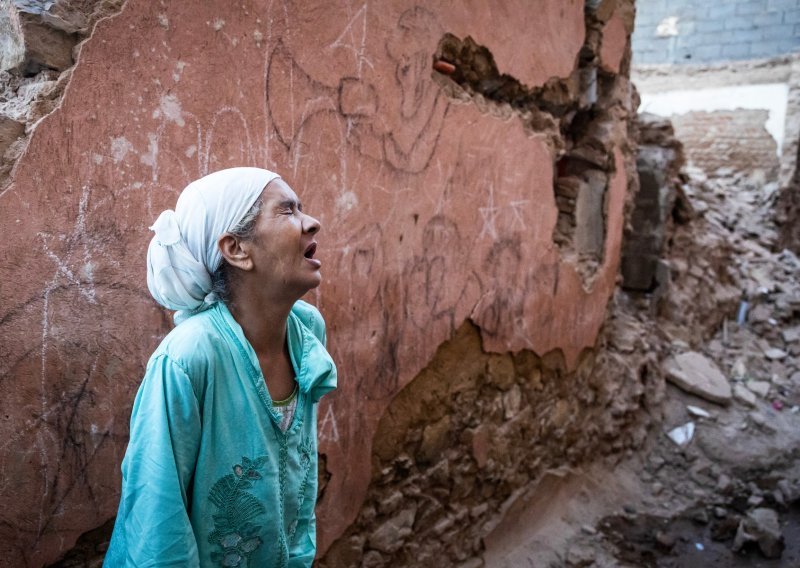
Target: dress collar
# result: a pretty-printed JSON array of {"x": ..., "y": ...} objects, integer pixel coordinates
[{"x": 313, "y": 365}]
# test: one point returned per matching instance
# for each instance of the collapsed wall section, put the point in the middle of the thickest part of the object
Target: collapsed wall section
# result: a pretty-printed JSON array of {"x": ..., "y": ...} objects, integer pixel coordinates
[{"x": 440, "y": 202}]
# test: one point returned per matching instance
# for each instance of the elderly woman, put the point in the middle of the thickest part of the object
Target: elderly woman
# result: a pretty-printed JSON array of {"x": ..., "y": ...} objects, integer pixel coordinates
[{"x": 221, "y": 468}]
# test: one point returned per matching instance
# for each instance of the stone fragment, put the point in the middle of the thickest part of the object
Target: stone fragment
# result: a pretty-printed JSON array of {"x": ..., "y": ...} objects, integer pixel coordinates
[
  {"x": 775, "y": 354},
  {"x": 744, "y": 395},
  {"x": 789, "y": 494},
  {"x": 580, "y": 556},
  {"x": 390, "y": 503},
  {"x": 512, "y": 401},
  {"x": 12, "y": 43},
  {"x": 10, "y": 131},
  {"x": 696, "y": 374},
  {"x": 435, "y": 438},
  {"x": 372, "y": 559},
  {"x": 761, "y": 388},
  {"x": 480, "y": 445},
  {"x": 739, "y": 370},
  {"x": 500, "y": 369},
  {"x": 791, "y": 335},
  {"x": 761, "y": 526},
  {"x": 389, "y": 536}
]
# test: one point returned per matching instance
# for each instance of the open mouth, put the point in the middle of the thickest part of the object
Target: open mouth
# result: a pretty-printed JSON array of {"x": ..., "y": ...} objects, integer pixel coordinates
[{"x": 310, "y": 250}]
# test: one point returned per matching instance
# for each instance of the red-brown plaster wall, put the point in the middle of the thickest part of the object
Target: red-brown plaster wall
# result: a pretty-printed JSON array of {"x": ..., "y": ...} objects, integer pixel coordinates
[{"x": 432, "y": 212}]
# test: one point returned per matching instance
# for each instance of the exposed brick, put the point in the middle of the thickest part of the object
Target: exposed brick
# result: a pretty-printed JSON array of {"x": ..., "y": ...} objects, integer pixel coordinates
[
  {"x": 739, "y": 23},
  {"x": 749, "y": 8},
  {"x": 768, "y": 18},
  {"x": 707, "y": 52},
  {"x": 736, "y": 51},
  {"x": 722, "y": 138},
  {"x": 791, "y": 16},
  {"x": 778, "y": 5},
  {"x": 711, "y": 25}
]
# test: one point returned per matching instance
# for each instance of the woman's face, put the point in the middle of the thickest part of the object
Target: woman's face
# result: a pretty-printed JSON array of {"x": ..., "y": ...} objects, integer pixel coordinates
[{"x": 283, "y": 247}]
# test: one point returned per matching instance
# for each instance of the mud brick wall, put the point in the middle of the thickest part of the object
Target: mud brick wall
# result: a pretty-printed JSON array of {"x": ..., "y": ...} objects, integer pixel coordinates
[
  {"x": 728, "y": 139},
  {"x": 480, "y": 207}
]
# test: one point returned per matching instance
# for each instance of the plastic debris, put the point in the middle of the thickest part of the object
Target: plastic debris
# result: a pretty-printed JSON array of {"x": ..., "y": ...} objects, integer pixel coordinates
[
  {"x": 697, "y": 411},
  {"x": 699, "y": 546},
  {"x": 777, "y": 404},
  {"x": 444, "y": 67},
  {"x": 741, "y": 314},
  {"x": 682, "y": 435}
]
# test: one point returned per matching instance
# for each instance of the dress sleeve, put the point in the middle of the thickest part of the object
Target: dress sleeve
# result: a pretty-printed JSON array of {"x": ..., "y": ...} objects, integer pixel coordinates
[{"x": 153, "y": 520}]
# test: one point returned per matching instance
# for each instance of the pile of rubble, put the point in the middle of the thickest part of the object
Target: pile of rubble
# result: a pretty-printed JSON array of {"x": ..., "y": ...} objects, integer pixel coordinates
[{"x": 720, "y": 481}]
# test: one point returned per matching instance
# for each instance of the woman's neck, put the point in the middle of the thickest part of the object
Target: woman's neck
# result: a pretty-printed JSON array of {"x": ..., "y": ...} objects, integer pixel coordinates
[{"x": 263, "y": 322}]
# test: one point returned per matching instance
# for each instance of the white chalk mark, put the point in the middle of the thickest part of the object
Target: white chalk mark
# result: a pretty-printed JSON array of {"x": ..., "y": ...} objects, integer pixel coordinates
[
  {"x": 517, "y": 213},
  {"x": 348, "y": 40},
  {"x": 489, "y": 215},
  {"x": 328, "y": 430}
]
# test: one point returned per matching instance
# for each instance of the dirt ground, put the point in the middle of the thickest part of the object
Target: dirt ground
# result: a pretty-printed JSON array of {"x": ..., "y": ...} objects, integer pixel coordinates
[{"x": 683, "y": 505}]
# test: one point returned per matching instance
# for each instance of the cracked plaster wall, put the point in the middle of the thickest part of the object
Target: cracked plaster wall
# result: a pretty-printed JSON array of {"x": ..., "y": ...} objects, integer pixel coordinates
[{"x": 441, "y": 201}]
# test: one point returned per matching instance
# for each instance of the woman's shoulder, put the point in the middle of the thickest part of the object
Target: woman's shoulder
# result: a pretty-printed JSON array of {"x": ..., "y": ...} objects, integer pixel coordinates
[
  {"x": 310, "y": 317},
  {"x": 193, "y": 343}
]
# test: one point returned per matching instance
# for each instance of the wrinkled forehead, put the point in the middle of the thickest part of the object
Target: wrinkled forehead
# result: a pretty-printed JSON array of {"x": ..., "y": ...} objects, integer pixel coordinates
[{"x": 278, "y": 190}]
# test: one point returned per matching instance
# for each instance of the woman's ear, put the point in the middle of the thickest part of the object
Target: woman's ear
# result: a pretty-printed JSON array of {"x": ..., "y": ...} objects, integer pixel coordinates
[{"x": 233, "y": 252}]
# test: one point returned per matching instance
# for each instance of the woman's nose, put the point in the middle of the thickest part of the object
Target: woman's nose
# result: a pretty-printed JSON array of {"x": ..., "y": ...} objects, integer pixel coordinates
[{"x": 311, "y": 225}]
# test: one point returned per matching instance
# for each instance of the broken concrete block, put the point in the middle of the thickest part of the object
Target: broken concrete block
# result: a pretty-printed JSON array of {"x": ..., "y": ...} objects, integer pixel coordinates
[
  {"x": 696, "y": 374},
  {"x": 761, "y": 526}
]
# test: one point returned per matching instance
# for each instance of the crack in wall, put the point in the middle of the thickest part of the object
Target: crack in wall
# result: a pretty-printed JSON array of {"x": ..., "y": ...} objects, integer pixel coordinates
[{"x": 569, "y": 113}]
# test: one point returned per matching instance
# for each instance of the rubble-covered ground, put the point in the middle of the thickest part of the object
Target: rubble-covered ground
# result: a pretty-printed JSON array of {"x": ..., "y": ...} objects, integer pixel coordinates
[{"x": 718, "y": 481}]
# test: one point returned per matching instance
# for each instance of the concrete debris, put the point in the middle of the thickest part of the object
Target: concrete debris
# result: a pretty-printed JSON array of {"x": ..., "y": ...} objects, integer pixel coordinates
[
  {"x": 791, "y": 335},
  {"x": 389, "y": 536},
  {"x": 739, "y": 370},
  {"x": 761, "y": 526},
  {"x": 775, "y": 354},
  {"x": 761, "y": 388},
  {"x": 744, "y": 395},
  {"x": 696, "y": 374}
]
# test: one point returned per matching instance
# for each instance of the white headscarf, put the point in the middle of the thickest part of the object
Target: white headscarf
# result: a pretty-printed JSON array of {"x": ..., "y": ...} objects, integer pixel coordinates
[{"x": 184, "y": 253}]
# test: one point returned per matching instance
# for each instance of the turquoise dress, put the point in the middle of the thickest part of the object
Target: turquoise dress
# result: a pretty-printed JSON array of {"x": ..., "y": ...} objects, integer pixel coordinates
[{"x": 209, "y": 478}]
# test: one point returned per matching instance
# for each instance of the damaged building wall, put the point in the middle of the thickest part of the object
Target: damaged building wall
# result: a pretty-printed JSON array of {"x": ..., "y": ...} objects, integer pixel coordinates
[
  {"x": 681, "y": 31},
  {"x": 471, "y": 191}
]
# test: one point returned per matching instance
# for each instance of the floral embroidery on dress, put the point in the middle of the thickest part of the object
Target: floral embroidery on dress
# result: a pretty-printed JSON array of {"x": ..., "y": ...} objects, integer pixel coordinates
[
  {"x": 306, "y": 448},
  {"x": 234, "y": 528}
]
